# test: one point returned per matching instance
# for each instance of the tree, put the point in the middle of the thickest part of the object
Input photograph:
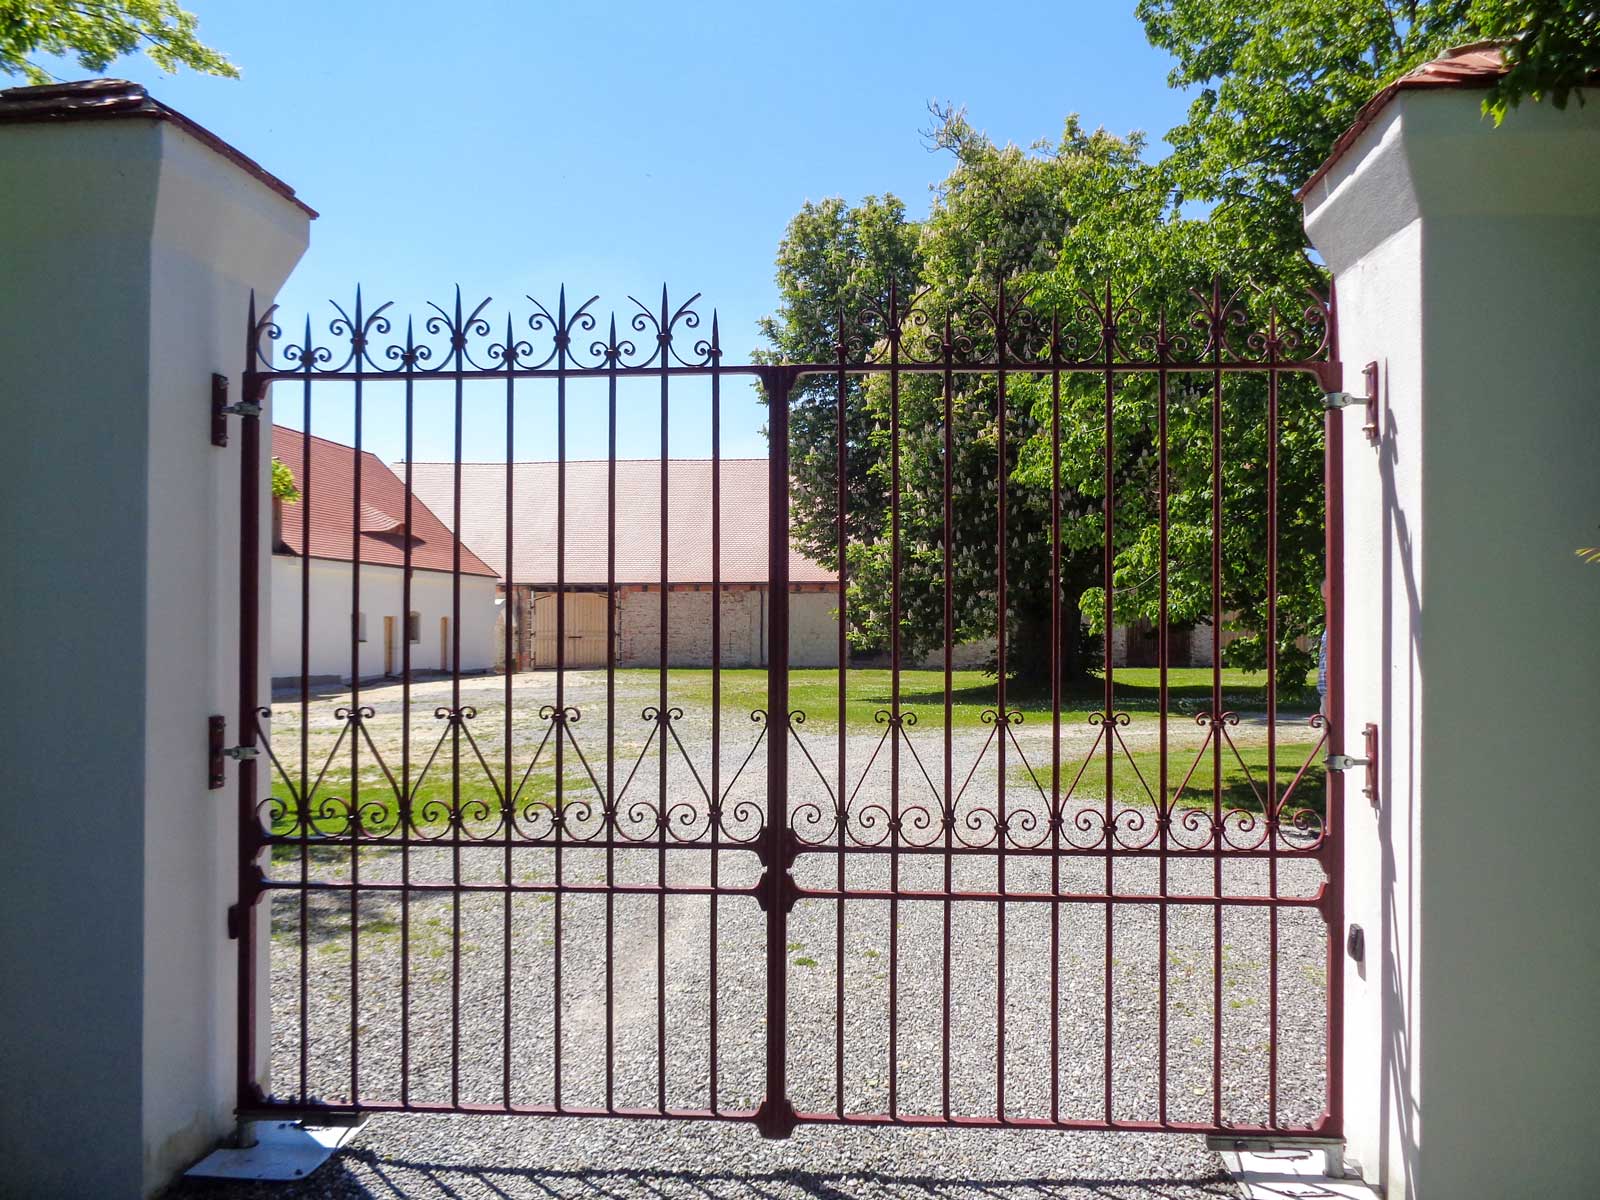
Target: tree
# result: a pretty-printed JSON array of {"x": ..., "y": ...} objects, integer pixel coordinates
[
  {"x": 1279, "y": 80},
  {"x": 1000, "y": 214},
  {"x": 98, "y": 32},
  {"x": 283, "y": 485}
]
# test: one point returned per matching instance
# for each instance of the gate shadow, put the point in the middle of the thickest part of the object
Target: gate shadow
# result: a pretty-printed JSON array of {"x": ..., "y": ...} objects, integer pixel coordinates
[{"x": 360, "y": 1174}]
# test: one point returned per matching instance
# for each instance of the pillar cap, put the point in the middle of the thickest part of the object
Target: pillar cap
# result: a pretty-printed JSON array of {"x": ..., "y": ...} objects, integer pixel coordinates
[
  {"x": 106, "y": 99},
  {"x": 1476, "y": 65}
]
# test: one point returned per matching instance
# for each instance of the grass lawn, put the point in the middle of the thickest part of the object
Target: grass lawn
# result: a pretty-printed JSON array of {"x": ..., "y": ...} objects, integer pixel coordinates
[
  {"x": 816, "y": 692},
  {"x": 1244, "y": 777},
  {"x": 867, "y": 692}
]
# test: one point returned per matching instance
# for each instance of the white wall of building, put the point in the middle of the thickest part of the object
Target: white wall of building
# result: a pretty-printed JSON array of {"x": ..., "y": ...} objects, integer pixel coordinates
[
  {"x": 382, "y": 592},
  {"x": 1466, "y": 259},
  {"x": 128, "y": 250}
]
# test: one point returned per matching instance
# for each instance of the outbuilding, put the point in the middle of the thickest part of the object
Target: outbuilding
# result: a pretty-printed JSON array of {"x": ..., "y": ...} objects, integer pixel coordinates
[{"x": 315, "y": 542}]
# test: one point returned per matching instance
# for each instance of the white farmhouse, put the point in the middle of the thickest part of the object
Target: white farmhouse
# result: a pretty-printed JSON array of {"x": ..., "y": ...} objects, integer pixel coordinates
[{"x": 314, "y": 575}]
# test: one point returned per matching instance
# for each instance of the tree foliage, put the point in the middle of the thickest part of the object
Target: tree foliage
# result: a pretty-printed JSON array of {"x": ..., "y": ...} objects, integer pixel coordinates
[
  {"x": 98, "y": 32},
  {"x": 283, "y": 484},
  {"x": 1275, "y": 82}
]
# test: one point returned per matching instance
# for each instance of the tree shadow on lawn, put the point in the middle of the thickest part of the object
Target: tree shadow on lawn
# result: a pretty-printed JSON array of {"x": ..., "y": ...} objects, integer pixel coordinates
[
  {"x": 363, "y": 1174},
  {"x": 1087, "y": 694}
]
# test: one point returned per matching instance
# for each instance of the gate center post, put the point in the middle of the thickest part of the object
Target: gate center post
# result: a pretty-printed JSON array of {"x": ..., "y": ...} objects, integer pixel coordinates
[{"x": 775, "y": 1118}]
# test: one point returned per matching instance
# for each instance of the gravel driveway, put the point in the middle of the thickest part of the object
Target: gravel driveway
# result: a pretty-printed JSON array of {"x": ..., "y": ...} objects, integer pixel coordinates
[{"x": 428, "y": 1156}]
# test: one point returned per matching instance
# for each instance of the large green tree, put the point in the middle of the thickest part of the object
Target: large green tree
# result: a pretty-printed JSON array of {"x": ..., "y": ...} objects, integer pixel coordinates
[
  {"x": 1275, "y": 83},
  {"x": 98, "y": 32}
]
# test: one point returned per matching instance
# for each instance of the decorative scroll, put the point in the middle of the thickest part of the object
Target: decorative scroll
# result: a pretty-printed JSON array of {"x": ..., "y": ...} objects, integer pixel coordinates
[{"x": 1012, "y": 328}]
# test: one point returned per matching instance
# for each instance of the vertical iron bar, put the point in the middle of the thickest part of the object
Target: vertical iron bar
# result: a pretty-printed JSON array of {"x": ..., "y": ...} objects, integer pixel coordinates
[
  {"x": 611, "y": 714},
  {"x": 508, "y": 818},
  {"x": 455, "y": 728},
  {"x": 1272, "y": 813},
  {"x": 1002, "y": 477},
  {"x": 947, "y": 353},
  {"x": 775, "y": 1118},
  {"x": 355, "y": 741},
  {"x": 1164, "y": 660},
  {"x": 1333, "y": 840},
  {"x": 840, "y": 534},
  {"x": 405, "y": 738},
  {"x": 716, "y": 679},
  {"x": 1056, "y": 804},
  {"x": 561, "y": 679},
  {"x": 305, "y": 725},
  {"x": 1219, "y": 319},
  {"x": 1109, "y": 346},
  {"x": 665, "y": 719},
  {"x": 840, "y": 503},
  {"x": 247, "y": 1085},
  {"x": 894, "y": 699}
]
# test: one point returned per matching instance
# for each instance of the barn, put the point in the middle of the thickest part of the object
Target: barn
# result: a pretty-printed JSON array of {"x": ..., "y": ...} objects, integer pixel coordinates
[
  {"x": 633, "y": 579},
  {"x": 313, "y": 548}
]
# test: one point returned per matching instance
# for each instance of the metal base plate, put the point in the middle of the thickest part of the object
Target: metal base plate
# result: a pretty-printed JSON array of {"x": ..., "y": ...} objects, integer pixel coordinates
[
  {"x": 1294, "y": 1171},
  {"x": 284, "y": 1150}
]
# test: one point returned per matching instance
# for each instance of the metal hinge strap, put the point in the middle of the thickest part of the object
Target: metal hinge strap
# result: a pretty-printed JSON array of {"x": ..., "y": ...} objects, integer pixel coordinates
[
  {"x": 1343, "y": 762},
  {"x": 221, "y": 410},
  {"x": 1368, "y": 762},
  {"x": 217, "y": 751}
]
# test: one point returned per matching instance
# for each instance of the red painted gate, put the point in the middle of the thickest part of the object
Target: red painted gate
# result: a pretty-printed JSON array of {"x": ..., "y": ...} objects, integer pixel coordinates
[{"x": 516, "y": 894}]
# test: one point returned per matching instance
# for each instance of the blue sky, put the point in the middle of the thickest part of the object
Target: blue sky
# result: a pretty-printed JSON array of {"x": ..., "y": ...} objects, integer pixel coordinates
[{"x": 512, "y": 147}]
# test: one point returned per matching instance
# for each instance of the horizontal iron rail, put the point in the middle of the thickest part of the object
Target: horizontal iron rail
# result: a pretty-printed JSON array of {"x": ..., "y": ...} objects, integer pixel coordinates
[
  {"x": 1312, "y": 900},
  {"x": 1118, "y": 366},
  {"x": 311, "y": 1114},
  {"x": 1151, "y": 852}
]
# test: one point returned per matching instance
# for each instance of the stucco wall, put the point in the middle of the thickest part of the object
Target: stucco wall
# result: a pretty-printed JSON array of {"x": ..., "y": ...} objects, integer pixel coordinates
[
  {"x": 1466, "y": 258},
  {"x": 128, "y": 251},
  {"x": 381, "y": 596}
]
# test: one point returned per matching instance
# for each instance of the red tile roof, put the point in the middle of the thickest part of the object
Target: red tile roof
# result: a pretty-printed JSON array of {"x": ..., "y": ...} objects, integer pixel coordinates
[
  {"x": 744, "y": 519},
  {"x": 331, "y": 495},
  {"x": 1478, "y": 65}
]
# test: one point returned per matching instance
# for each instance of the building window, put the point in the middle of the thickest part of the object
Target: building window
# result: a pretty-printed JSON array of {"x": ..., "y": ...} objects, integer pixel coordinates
[
  {"x": 414, "y": 627},
  {"x": 361, "y": 627}
]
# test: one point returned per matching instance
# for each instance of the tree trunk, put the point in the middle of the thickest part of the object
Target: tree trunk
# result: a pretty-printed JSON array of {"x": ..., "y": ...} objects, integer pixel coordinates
[{"x": 1029, "y": 651}]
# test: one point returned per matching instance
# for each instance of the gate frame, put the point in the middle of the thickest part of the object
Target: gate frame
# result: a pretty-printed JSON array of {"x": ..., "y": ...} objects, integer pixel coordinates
[{"x": 778, "y": 846}]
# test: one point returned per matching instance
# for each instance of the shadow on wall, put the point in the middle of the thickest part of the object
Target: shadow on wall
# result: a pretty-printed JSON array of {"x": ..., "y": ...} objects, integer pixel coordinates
[
  {"x": 361, "y": 1174},
  {"x": 1397, "y": 815}
]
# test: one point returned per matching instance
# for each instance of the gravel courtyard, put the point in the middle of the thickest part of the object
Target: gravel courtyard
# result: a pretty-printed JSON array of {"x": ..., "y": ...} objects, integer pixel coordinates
[{"x": 662, "y": 986}]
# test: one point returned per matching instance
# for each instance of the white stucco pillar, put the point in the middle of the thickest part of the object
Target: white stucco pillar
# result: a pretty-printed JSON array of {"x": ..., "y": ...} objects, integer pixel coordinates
[
  {"x": 129, "y": 242},
  {"x": 1467, "y": 262}
]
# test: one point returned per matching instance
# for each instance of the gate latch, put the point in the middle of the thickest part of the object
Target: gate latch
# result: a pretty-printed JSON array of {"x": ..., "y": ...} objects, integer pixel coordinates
[
  {"x": 1344, "y": 762},
  {"x": 216, "y": 752}
]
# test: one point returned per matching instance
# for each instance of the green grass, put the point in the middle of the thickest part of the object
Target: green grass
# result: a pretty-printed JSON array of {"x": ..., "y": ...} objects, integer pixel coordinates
[
  {"x": 816, "y": 693},
  {"x": 1240, "y": 790}
]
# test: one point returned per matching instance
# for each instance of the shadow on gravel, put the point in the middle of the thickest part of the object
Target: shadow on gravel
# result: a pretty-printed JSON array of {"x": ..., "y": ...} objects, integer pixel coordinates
[{"x": 366, "y": 1175}]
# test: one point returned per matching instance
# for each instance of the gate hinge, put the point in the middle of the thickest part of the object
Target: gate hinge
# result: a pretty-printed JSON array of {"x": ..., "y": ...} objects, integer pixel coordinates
[
  {"x": 221, "y": 410},
  {"x": 217, "y": 751},
  {"x": 1344, "y": 762},
  {"x": 239, "y": 911},
  {"x": 1334, "y": 401}
]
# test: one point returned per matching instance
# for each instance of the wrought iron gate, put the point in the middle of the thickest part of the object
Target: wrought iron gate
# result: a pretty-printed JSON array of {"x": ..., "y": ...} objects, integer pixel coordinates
[{"x": 486, "y": 911}]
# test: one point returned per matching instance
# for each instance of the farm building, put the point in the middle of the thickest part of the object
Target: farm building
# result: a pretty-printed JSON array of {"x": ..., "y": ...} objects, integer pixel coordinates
[
  {"x": 324, "y": 566},
  {"x": 636, "y": 572}
]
